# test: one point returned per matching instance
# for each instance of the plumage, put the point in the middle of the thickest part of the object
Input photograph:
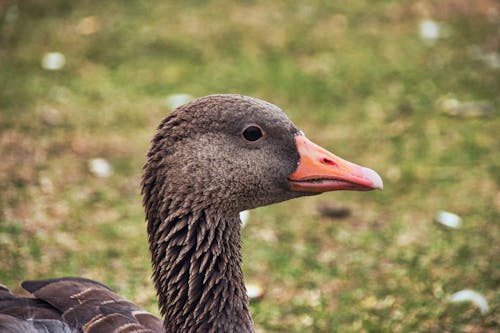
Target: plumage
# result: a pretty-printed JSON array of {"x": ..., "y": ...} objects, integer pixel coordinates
[
  {"x": 70, "y": 304},
  {"x": 209, "y": 160}
]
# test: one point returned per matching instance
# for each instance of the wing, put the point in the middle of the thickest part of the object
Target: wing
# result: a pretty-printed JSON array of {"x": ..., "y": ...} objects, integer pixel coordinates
[
  {"x": 72, "y": 305},
  {"x": 29, "y": 315}
]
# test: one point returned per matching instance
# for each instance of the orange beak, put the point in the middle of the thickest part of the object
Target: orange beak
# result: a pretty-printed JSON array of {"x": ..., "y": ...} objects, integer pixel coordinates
[{"x": 321, "y": 171}]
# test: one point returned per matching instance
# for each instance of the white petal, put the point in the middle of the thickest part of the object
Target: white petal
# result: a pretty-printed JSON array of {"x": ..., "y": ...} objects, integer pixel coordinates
[
  {"x": 254, "y": 291},
  {"x": 448, "y": 219},
  {"x": 175, "y": 100},
  {"x": 244, "y": 215},
  {"x": 100, "y": 167},
  {"x": 429, "y": 30},
  {"x": 53, "y": 61},
  {"x": 468, "y": 295}
]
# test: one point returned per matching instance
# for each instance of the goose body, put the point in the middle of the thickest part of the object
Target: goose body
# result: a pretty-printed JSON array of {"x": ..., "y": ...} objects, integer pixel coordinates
[{"x": 209, "y": 160}]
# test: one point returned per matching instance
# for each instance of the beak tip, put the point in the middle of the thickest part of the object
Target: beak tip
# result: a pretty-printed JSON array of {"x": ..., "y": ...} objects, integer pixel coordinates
[{"x": 375, "y": 179}]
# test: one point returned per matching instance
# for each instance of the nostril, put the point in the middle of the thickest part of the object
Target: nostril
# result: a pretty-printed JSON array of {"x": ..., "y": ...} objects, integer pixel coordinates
[{"x": 328, "y": 161}]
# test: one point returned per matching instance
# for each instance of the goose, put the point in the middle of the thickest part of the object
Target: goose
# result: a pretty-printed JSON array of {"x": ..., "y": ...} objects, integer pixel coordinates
[{"x": 209, "y": 160}]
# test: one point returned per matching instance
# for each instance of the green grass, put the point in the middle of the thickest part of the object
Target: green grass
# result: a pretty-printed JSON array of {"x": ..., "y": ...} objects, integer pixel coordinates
[{"x": 356, "y": 77}]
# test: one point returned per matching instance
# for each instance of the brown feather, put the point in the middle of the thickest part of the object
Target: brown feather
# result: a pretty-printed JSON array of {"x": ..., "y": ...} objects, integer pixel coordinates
[{"x": 200, "y": 173}]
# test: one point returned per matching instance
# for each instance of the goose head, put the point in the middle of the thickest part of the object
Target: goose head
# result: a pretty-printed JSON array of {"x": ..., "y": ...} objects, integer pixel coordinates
[{"x": 233, "y": 152}]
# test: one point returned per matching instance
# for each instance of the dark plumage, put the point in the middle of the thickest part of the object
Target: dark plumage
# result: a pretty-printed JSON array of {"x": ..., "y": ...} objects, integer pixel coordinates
[{"x": 209, "y": 160}]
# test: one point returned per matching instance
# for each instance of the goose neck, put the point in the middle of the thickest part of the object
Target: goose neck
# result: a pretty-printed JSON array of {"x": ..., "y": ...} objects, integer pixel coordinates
[{"x": 197, "y": 272}]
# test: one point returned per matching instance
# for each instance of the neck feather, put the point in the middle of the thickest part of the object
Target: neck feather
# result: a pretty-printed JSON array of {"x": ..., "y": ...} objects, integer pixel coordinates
[{"x": 197, "y": 272}]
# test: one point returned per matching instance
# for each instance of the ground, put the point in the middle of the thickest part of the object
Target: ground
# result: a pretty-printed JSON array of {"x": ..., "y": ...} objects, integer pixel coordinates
[{"x": 408, "y": 88}]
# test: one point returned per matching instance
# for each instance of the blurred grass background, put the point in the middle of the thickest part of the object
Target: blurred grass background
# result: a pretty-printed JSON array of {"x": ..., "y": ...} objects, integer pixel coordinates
[{"x": 358, "y": 77}]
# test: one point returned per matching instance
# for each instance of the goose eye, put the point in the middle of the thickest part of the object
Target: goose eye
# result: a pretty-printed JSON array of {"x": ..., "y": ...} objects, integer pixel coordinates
[{"x": 252, "y": 133}]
